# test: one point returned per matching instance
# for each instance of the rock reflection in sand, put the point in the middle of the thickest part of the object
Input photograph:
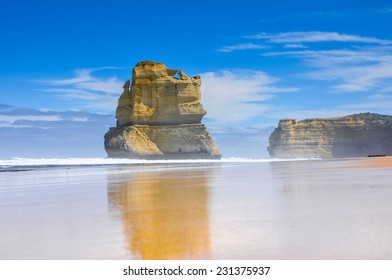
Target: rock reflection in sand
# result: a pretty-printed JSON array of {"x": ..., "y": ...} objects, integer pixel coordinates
[{"x": 165, "y": 214}]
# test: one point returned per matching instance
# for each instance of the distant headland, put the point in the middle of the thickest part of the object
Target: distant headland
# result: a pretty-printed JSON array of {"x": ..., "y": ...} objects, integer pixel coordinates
[
  {"x": 357, "y": 135},
  {"x": 159, "y": 116}
]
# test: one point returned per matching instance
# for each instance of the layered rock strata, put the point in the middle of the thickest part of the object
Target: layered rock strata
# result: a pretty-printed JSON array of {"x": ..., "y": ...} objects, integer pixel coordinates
[
  {"x": 350, "y": 136},
  {"x": 159, "y": 116}
]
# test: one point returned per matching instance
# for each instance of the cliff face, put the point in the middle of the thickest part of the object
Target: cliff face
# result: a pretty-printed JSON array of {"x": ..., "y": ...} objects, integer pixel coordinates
[
  {"x": 349, "y": 136},
  {"x": 159, "y": 116}
]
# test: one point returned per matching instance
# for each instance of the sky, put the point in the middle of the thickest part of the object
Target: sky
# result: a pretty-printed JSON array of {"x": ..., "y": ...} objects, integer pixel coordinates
[{"x": 63, "y": 64}]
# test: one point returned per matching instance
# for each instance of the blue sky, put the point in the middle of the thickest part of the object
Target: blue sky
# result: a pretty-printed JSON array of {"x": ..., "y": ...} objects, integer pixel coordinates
[{"x": 62, "y": 65}]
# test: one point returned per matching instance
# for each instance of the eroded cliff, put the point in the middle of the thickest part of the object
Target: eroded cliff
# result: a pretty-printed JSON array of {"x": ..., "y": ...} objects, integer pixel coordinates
[
  {"x": 159, "y": 116},
  {"x": 350, "y": 136}
]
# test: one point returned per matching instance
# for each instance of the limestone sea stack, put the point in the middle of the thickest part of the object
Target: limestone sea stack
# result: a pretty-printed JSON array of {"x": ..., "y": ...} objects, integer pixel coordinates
[
  {"x": 159, "y": 116},
  {"x": 350, "y": 136}
]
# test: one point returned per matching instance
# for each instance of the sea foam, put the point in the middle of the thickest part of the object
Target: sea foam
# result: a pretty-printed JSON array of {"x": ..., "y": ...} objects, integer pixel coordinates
[{"x": 58, "y": 162}]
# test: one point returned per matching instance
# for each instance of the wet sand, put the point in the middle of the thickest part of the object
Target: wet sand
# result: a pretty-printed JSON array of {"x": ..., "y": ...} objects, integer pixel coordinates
[
  {"x": 377, "y": 162},
  {"x": 254, "y": 210}
]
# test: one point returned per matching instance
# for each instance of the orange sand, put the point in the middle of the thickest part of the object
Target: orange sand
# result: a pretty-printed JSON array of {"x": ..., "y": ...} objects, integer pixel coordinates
[{"x": 374, "y": 162}]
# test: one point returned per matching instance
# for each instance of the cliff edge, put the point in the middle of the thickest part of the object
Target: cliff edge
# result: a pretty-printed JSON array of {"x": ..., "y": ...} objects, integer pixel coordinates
[
  {"x": 350, "y": 136},
  {"x": 159, "y": 116}
]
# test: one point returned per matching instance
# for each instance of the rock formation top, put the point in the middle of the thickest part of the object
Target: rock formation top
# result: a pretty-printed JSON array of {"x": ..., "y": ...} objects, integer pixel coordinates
[
  {"x": 350, "y": 136},
  {"x": 159, "y": 96}
]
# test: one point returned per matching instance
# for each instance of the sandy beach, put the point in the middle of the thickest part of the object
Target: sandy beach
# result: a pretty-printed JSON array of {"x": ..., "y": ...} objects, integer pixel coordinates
[{"x": 310, "y": 209}]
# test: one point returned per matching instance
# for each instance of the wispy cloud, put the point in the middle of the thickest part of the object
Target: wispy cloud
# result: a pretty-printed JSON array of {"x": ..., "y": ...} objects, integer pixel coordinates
[
  {"x": 344, "y": 62},
  {"x": 373, "y": 103},
  {"x": 358, "y": 56},
  {"x": 294, "y": 46},
  {"x": 385, "y": 10},
  {"x": 235, "y": 96},
  {"x": 315, "y": 37},
  {"x": 27, "y": 132},
  {"x": 86, "y": 90},
  {"x": 301, "y": 114},
  {"x": 9, "y": 120},
  {"x": 17, "y": 117},
  {"x": 240, "y": 47},
  {"x": 86, "y": 81},
  {"x": 73, "y": 93},
  {"x": 376, "y": 103},
  {"x": 354, "y": 70}
]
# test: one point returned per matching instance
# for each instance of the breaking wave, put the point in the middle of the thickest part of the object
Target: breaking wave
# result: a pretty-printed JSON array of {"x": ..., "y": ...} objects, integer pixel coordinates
[{"x": 59, "y": 162}]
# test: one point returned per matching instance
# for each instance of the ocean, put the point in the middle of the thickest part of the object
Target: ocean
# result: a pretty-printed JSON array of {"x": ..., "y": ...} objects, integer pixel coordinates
[{"x": 195, "y": 209}]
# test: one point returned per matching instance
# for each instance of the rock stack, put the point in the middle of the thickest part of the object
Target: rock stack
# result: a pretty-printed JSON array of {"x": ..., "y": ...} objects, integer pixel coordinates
[
  {"x": 159, "y": 116},
  {"x": 356, "y": 135}
]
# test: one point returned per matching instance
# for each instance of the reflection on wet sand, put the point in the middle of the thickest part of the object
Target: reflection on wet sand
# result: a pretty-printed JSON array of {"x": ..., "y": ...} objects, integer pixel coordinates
[
  {"x": 164, "y": 214},
  {"x": 329, "y": 211}
]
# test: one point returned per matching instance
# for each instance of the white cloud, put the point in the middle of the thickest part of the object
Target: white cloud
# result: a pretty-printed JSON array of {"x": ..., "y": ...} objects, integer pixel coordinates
[
  {"x": 344, "y": 63},
  {"x": 315, "y": 37},
  {"x": 294, "y": 46},
  {"x": 387, "y": 89},
  {"x": 374, "y": 103},
  {"x": 301, "y": 114},
  {"x": 246, "y": 46},
  {"x": 236, "y": 96},
  {"x": 85, "y": 80},
  {"x": 377, "y": 103},
  {"x": 112, "y": 85},
  {"x": 86, "y": 100},
  {"x": 354, "y": 70},
  {"x": 73, "y": 93},
  {"x": 81, "y": 75},
  {"x": 10, "y": 118},
  {"x": 88, "y": 91},
  {"x": 27, "y": 132},
  {"x": 387, "y": 10},
  {"x": 77, "y": 119},
  {"x": 327, "y": 57},
  {"x": 364, "y": 78}
]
